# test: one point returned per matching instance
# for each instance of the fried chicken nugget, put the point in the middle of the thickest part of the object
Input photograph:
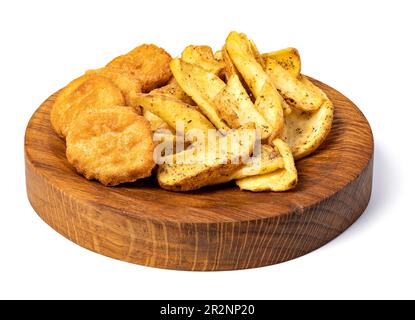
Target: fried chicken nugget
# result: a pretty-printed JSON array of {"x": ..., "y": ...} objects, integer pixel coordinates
[
  {"x": 147, "y": 63},
  {"x": 88, "y": 91},
  {"x": 112, "y": 145},
  {"x": 128, "y": 85}
]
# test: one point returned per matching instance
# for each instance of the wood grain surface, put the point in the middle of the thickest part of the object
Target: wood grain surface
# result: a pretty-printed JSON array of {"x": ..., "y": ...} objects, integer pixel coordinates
[{"x": 215, "y": 228}]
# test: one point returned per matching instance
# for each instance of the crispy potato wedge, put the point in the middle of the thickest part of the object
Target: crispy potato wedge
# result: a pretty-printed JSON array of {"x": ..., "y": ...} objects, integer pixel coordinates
[
  {"x": 203, "y": 57},
  {"x": 218, "y": 56},
  {"x": 202, "y": 86},
  {"x": 288, "y": 58},
  {"x": 267, "y": 161},
  {"x": 298, "y": 91},
  {"x": 156, "y": 123},
  {"x": 238, "y": 47},
  {"x": 165, "y": 144},
  {"x": 268, "y": 101},
  {"x": 209, "y": 166},
  {"x": 161, "y": 135},
  {"x": 237, "y": 109},
  {"x": 230, "y": 69},
  {"x": 305, "y": 132},
  {"x": 257, "y": 55},
  {"x": 173, "y": 89},
  {"x": 279, "y": 180},
  {"x": 175, "y": 113},
  {"x": 270, "y": 105}
]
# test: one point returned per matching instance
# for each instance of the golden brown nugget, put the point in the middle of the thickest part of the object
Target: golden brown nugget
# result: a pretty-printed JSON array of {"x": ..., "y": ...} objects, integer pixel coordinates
[
  {"x": 129, "y": 86},
  {"x": 112, "y": 145},
  {"x": 147, "y": 63},
  {"x": 88, "y": 91}
]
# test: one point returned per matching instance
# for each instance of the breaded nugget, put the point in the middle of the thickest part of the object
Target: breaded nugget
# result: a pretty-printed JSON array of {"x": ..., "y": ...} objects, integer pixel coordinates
[
  {"x": 88, "y": 91},
  {"x": 112, "y": 145},
  {"x": 147, "y": 63},
  {"x": 129, "y": 86}
]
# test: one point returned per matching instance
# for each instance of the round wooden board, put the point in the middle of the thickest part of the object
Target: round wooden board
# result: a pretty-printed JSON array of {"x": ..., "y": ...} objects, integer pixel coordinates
[{"x": 215, "y": 228}]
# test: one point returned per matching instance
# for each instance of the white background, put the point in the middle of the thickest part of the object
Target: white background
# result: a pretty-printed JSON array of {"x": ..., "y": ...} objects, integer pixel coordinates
[{"x": 365, "y": 49}]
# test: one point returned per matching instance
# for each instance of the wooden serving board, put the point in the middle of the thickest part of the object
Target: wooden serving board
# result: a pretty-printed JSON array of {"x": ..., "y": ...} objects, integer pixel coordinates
[{"x": 215, "y": 228}]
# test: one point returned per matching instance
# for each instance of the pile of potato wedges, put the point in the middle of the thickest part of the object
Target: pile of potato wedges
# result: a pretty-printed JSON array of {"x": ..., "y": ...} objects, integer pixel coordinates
[{"x": 256, "y": 101}]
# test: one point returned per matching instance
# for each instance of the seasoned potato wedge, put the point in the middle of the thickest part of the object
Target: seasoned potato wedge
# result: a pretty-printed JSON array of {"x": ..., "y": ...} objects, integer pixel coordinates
[
  {"x": 210, "y": 166},
  {"x": 298, "y": 91},
  {"x": 203, "y": 57},
  {"x": 173, "y": 89},
  {"x": 177, "y": 114},
  {"x": 237, "y": 109},
  {"x": 270, "y": 105},
  {"x": 238, "y": 47},
  {"x": 288, "y": 58},
  {"x": 162, "y": 136},
  {"x": 305, "y": 132},
  {"x": 156, "y": 123},
  {"x": 218, "y": 56},
  {"x": 270, "y": 160},
  {"x": 165, "y": 144},
  {"x": 268, "y": 101},
  {"x": 230, "y": 69},
  {"x": 257, "y": 55},
  {"x": 279, "y": 180},
  {"x": 202, "y": 86}
]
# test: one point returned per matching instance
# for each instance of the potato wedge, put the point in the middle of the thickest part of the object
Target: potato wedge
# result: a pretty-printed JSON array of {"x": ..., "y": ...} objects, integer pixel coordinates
[
  {"x": 209, "y": 167},
  {"x": 298, "y": 91},
  {"x": 173, "y": 89},
  {"x": 238, "y": 47},
  {"x": 288, "y": 58},
  {"x": 218, "y": 56},
  {"x": 161, "y": 136},
  {"x": 237, "y": 109},
  {"x": 165, "y": 144},
  {"x": 156, "y": 123},
  {"x": 267, "y": 161},
  {"x": 268, "y": 101},
  {"x": 305, "y": 132},
  {"x": 230, "y": 69},
  {"x": 202, "y": 86},
  {"x": 257, "y": 55},
  {"x": 270, "y": 105},
  {"x": 177, "y": 114},
  {"x": 280, "y": 180},
  {"x": 203, "y": 57}
]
